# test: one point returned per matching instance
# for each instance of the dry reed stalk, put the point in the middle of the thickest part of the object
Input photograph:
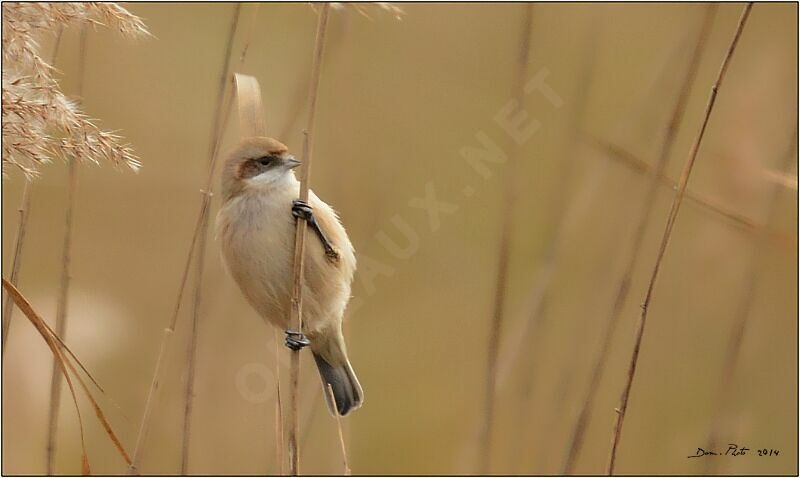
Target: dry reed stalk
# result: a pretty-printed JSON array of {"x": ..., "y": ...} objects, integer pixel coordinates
[
  {"x": 642, "y": 220},
  {"x": 246, "y": 46},
  {"x": 498, "y": 315},
  {"x": 56, "y": 345},
  {"x": 63, "y": 293},
  {"x": 22, "y": 226},
  {"x": 540, "y": 292},
  {"x": 59, "y": 360},
  {"x": 215, "y": 139},
  {"x": 312, "y": 405},
  {"x": 673, "y": 214},
  {"x": 278, "y": 407},
  {"x": 300, "y": 93},
  {"x": 571, "y": 216},
  {"x": 16, "y": 261},
  {"x": 167, "y": 334},
  {"x": 557, "y": 230},
  {"x": 345, "y": 464},
  {"x": 296, "y": 317},
  {"x": 744, "y": 315}
]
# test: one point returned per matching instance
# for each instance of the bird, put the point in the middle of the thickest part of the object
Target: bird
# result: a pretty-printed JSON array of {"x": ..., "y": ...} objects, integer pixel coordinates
[{"x": 256, "y": 227}]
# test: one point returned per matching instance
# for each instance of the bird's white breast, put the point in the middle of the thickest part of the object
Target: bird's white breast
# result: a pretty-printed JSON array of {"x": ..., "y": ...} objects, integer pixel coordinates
[{"x": 257, "y": 234}]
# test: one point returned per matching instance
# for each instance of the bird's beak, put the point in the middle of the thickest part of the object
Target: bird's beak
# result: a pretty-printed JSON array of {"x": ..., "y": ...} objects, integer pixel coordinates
[{"x": 292, "y": 163}]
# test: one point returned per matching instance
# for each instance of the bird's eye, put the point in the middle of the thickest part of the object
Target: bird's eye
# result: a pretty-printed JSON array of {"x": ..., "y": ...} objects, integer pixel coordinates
[{"x": 265, "y": 160}]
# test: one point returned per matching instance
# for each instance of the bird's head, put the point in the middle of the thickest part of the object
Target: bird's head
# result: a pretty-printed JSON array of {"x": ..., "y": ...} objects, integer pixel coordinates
[{"x": 258, "y": 162}]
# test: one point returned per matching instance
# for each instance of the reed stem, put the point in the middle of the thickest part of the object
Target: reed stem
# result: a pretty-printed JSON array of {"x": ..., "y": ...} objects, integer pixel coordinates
[
  {"x": 22, "y": 227},
  {"x": 216, "y": 138},
  {"x": 533, "y": 331},
  {"x": 278, "y": 408},
  {"x": 168, "y": 331},
  {"x": 63, "y": 292},
  {"x": 296, "y": 317},
  {"x": 501, "y": 281},
  {"x": 673, "y": 214},
  {"x": 16, "y": 262},
  {"x": 643, "y": 219},
  {"x": 345, "y": 464}
]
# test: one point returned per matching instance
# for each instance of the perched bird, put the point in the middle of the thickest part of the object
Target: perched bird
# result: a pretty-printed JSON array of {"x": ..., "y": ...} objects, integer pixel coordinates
[{"x": 256, "y": 227}]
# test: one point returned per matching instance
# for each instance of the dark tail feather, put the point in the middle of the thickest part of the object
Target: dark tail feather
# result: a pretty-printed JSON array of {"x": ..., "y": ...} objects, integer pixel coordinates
[{"x": 346, "y": 390}]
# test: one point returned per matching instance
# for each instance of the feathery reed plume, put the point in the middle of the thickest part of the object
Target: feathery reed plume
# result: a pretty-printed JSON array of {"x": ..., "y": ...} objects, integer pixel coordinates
[
  {"x": 66, "y": 259},
  {"x": 744, "y": 314},
  {"x": 498, "y": 314},
  {"x": 673, "y": 214},
  {"x": 345, "y": 464},
  {"x": 646, "y": 211},
  {"x": 56, "y": 345},
  {"x": 22, "y": 226},
  {"x": 296, "y": 313},
  {"x": 33, "y": 106},
  {"x": 215, "y": 138}
]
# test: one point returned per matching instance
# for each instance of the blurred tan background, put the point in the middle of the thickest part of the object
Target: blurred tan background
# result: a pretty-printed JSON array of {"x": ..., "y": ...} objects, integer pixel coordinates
[{"x": 398, "y": 101}]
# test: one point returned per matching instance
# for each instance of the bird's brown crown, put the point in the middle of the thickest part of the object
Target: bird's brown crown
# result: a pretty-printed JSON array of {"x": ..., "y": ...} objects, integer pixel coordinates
[{"x": 248, "y": 149}]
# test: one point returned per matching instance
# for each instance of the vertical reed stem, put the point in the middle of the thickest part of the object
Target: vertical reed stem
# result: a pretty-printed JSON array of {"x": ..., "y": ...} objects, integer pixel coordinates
[
  {"x": 673, "y": 214},
  {"x": 22, "y": 227},
  {"x": 646, "y": 211},
  {"x": 278, "y": 408},
  {"x": 498, "y": 315},
  {"x": 345, "y": 464},
  {"x": 167, "y": 334},
  {"x": 296, "y": 318},
  {"x": 215, "y": 139},
  {"x": 533, "y": 329},
  {"x": 63, "y": 293}
]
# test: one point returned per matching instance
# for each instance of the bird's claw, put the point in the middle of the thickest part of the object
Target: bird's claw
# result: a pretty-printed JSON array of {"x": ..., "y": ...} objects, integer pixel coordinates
[
  {"x": 331, "y": 253},
  {"x": 302, "y": 210},
  {"x": 296, "y": 340}
]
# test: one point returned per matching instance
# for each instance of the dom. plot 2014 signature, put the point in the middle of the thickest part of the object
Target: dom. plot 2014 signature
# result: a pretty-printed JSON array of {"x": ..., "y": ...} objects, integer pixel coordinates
[{"x": 735, "y": 450}]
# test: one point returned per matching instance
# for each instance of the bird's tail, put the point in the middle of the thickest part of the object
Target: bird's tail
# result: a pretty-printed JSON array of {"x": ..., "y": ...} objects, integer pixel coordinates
[{"x": 337, "y": 373}]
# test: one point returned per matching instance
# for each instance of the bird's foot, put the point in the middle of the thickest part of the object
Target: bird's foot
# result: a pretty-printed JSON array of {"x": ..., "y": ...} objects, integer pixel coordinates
[
  {"x": 302, "y": 210},
  {"x": 296, "y": 340}
]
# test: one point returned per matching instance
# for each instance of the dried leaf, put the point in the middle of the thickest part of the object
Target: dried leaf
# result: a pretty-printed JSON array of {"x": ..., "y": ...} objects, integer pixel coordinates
[
  {"x": 42, "y": 328},
  {"x": 56, "y": 344}
]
